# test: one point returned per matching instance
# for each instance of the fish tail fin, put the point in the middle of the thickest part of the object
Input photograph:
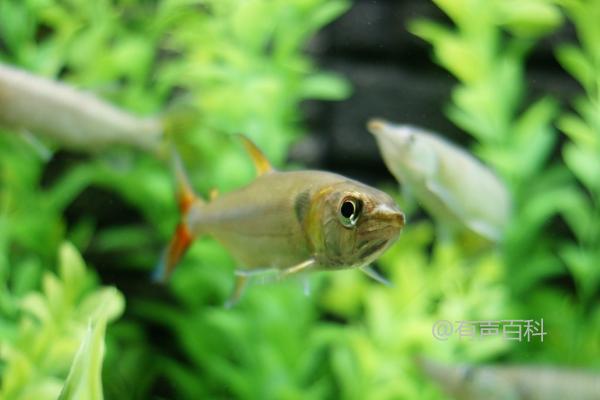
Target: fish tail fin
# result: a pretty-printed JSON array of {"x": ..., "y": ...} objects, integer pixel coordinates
[{"x": 183, "y": 236}]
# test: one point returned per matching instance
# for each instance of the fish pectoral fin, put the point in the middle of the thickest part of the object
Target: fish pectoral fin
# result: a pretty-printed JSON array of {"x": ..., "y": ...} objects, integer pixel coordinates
[
  {"x": 371, "y": 273},
  {"x": 298, "y": 268},
  {"x": 447, "y": 198},
  {"x": 261, "y": 163}
]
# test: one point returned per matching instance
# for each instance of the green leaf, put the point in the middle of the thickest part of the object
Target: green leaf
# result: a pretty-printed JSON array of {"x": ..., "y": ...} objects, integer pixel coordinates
[
  {"x": 535, "y": 136},
  {"x": 427, "y": 30},
  {"x": 583, "y": 265},
  {"x": 529, "y": 18},
  {"x": 85, "y": 377},
  {"x": 577, "y": 64},
  {"x": 325, "y": 86},
  {"x": 327, "y": 12},
  {"x": 579, "y": 131},
  {"x": 585, "y": 164},
  {"x": 71, "y": 267}
]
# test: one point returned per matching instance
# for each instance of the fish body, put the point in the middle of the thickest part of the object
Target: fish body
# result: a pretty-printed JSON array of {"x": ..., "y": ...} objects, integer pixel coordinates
[
  {"x": 519, "y": 382},
  {"x": 284, "y": 218},
  {"x": 290, "y": 222},
  {"x": 452, "y": 185}
]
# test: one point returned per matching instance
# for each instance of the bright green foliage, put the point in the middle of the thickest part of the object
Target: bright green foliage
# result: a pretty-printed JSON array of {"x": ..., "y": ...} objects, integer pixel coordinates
[
  {"x": 375, "y": 358},
  {"x": 486, "y": 104},
  {"x": 487, "y": 55},
  {"x": 218, "y": 67},
  {"x": 582, "y": 153},
  {"x": 213, "y": 68},
  {"x": 50, "y": 326},
  {"x": 84, "y": 379}
]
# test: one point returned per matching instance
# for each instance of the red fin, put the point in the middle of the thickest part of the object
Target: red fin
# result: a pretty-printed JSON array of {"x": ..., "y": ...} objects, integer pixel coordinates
[
  {"x": 177, "y": 248},
  {"x": 183, "y": 237}
]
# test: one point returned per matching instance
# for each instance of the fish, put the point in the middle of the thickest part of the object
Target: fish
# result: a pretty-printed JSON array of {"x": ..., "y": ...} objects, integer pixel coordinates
[
  {"x": 455, "y": 188},
  {"x": 512, "y": 382},
  {"x": 290, "y": 222},
  {"x": 70, "y": 117}
]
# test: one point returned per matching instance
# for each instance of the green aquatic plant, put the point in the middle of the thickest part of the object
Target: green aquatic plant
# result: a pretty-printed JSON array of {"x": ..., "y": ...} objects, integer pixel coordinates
[
  {"x": 487, "y": 104},
  {"x": 42, "y": 335},
  {"x": 212, "y": 68},
  {"x": 375, "y": 355},
  {"x": 486, "y": 51},
  {"x": 582, "y": 153}
]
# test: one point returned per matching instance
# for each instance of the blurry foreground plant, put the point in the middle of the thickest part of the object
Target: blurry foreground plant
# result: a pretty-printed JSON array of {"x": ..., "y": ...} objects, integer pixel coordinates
[{"x": 41, "y": 337}]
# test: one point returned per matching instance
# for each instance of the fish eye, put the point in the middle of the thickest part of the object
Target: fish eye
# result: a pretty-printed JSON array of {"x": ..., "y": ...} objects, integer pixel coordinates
[{"x": 350, "y": 209}]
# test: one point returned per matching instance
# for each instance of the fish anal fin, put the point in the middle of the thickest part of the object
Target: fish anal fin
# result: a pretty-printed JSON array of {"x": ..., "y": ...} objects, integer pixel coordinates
[
  {"x": 241, "y": 282},
  {"x": 371, "y": 273},
  {"x": 261, "y": 163}
]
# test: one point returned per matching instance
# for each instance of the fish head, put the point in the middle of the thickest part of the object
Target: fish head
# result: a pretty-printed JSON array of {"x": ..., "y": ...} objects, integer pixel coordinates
[
  {"x": 406, "y": 150},
  {"x": 353, "y": 224}
]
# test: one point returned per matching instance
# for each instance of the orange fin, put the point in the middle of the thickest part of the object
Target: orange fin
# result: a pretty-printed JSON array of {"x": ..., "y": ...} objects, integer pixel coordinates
[
  {"x": 261, "y": 163},
  {"x": 181, "y": 241},
  {"x": 183, "y": 237}
]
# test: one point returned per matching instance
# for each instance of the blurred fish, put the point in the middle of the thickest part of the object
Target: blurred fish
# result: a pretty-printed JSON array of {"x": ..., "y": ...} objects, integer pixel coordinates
[
  {"x": 465, "y": 382},
  {"x": 452, "y": 185},
  {"x": 70, "y": 117},
  {"x": 288, "y": 222}
]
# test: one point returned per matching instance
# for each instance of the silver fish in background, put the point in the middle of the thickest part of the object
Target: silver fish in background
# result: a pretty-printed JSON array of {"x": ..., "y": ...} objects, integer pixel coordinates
[
  {"x": 466, "y": 382},
  {"x": 458, "y": 190}
]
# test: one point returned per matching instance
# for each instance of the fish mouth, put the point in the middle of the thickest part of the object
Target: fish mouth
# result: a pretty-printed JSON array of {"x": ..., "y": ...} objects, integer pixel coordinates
[
  {"x": 376, "y": 125},
  {"x": 397, "y": 219},
  {"x": 370, "y": 249},
  {"x": 388, "y": 219}
]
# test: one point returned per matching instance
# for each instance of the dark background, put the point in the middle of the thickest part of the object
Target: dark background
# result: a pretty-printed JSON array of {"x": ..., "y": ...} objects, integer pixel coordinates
[{"x": 393, "y": 76}]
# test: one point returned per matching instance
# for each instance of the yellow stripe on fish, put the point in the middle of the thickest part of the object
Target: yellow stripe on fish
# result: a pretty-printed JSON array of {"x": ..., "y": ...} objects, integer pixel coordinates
[{"x": 289, "y": 222}]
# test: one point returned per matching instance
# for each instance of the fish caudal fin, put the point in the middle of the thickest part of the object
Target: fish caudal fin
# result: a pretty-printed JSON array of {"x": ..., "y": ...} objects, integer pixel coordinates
[
  {"x": 183, "y": 237},
  {"x": 177, "y": 247}
]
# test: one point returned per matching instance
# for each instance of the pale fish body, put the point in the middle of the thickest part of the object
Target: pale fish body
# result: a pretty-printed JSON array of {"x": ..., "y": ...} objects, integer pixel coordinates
[
  {"x": 488, "y": 382},
  {"x": 452, "y": 185},
  {"x": 291, "y": 222}
]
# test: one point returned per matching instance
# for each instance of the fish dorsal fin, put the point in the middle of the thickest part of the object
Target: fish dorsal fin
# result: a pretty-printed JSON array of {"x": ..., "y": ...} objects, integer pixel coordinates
[{"x": 260, "y": 161}]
